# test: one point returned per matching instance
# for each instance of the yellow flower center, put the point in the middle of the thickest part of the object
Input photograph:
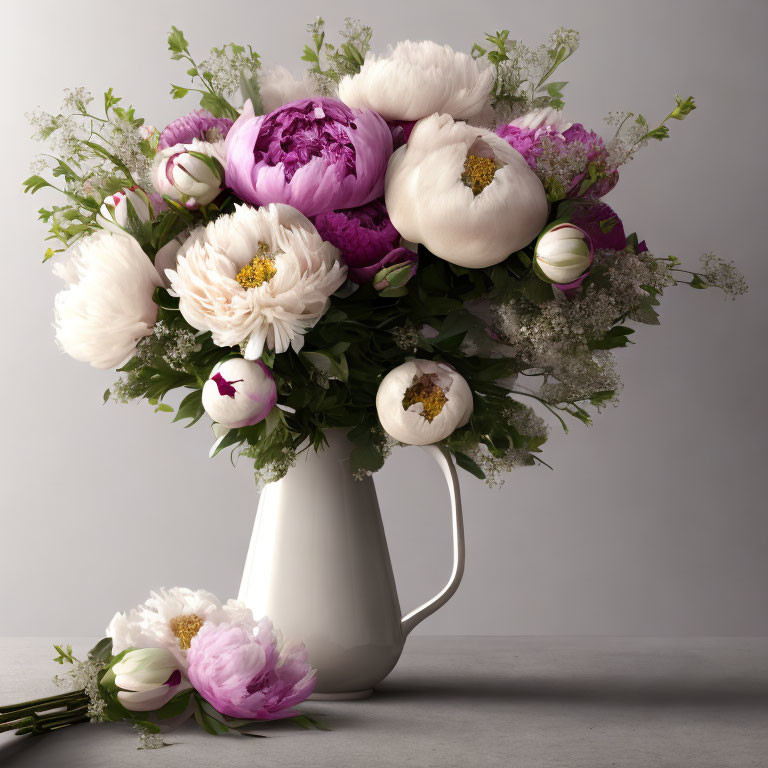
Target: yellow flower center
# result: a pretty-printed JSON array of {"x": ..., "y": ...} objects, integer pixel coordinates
[
  {"x": 478, "y": 172},
  {"x": 185, "y": 628},
  {"x": 260, "y": 269},
  {"x": 425, "y": 391}
]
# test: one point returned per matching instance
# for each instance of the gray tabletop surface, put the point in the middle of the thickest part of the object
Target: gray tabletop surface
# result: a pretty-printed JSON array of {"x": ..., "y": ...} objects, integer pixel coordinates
[{"x": 470, "y": 701}]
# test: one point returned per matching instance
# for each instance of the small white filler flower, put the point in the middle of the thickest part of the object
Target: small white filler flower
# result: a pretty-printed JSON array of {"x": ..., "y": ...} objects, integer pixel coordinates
[
  {"x": 416, "y": 79},
  {"x": 107, "y": 307},
  {"x": 148, "y": 678},
  {"x": 464, "y": 193},
  {"x": 422, "y": 402}
]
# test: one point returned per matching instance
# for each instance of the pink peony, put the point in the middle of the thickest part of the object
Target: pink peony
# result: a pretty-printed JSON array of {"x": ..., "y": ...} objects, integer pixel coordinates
[
  {"x": 576, "y": 149},
  {"x": 199, "y": 124},
  {"x": 244, "y": 674},
  {"x": 602, "y": 224},
  {"x": 364, "y": 236},
  {"x": 316, "y": 155}
]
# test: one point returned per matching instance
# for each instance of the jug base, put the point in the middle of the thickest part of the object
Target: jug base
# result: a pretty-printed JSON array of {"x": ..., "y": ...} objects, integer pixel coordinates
[{"x": 343, "y": 696}]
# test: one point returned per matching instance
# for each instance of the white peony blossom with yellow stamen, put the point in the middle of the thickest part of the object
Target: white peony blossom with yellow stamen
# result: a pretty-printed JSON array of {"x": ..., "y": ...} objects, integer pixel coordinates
[
  {"x": 416, "y": 79},
  {"x": 170, "y": 618},
  {"x": 464, "y": 193},
  {"x": 108, "y": 306},
  {"x": 258, "y": 277},
  {"x": 422, "y": 402}
]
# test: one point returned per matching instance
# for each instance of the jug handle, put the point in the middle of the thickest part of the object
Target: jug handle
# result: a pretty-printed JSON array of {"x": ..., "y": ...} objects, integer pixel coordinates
[{"x": 443, "y": 459}]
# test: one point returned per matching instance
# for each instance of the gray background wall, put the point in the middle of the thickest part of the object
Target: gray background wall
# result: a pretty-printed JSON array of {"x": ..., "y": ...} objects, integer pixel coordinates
[{"x": 653, "y": 522}]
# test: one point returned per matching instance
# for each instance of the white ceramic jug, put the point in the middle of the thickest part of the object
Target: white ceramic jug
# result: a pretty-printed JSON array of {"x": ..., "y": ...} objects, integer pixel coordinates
[{"x": 319, "y": 567}]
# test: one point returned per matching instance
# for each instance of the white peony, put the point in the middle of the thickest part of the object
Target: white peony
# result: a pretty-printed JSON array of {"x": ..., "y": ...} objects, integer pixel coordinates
[
  {"x": 464, "y": 193},
  {"x": 544, "y": 118},
  {"x": 256, "y": 277},
  {"x": 107, "y": 307},
  {"x": 170, "y": 618},
  {"x": 180, "y": 174},
  {"x": 422, "y": 402},
  {"x": 277, "y": 86},
  {"x": 416, "y": 79}
]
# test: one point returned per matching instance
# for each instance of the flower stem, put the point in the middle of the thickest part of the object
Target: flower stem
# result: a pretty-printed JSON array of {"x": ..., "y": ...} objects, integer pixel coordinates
[{"x": 59, "y": 711}]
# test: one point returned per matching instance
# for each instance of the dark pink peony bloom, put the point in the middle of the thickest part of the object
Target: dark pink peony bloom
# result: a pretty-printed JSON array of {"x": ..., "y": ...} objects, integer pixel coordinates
[
  {"x": 574, "y": 143},
  {"x": 316, "y": 155},
  {"x": 602, "y": 224},
  {"x": 364, "y": 235},
  {"x": 198, "y": 124},
  {"x": 243, "y": 674}
]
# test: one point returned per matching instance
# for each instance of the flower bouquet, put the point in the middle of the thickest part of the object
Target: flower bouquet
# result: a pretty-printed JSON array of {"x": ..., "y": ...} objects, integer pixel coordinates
[
  {"x": 409, "y": 246},
  {"x": 178, "y": 655}
]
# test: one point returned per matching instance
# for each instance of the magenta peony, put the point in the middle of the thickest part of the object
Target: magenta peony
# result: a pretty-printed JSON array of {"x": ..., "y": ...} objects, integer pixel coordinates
[
  {"x": 571, "y": 163},
  {"x": 244, "y": 674},
  {"x": 199, "y": 124},
  {"x": 316, "y": 155},
  {"x": 602, "y": 224},
  {"x": 364, "y": 236}
]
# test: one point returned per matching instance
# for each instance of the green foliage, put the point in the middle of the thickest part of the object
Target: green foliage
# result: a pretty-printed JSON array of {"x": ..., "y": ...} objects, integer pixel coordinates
[
  {"x": 522, "y": 81},
  {"x": 328, "y": 63}
]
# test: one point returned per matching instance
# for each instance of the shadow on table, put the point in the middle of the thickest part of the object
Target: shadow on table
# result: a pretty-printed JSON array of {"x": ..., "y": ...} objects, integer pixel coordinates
[{"x": 592, "y": 691}]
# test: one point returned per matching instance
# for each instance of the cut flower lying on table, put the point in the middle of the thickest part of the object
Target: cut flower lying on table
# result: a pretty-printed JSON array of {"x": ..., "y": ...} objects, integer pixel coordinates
[
  {"x": 409, "y": 245},
  {"x": 180, "y": 654}
]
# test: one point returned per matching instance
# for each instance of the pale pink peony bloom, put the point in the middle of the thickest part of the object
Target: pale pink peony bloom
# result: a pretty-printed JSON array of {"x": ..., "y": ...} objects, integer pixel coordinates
[{"x": 245, "y": 674}]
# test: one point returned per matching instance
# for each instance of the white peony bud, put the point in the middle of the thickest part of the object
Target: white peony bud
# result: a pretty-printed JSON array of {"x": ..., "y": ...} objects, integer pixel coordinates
[
  {"x": 239, "y": 393},
  {"x": 148, "y": 678},
  {"x": 114, "y": 212},
  {"x": 564, "y": 253},
  {"x": 422, "y": 402},
  {"x": 191, "y": 174}
]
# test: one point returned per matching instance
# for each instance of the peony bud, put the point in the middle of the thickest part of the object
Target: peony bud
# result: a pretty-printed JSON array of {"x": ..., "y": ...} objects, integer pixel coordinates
[
  {"x": 422, "y": 402},
  {"x": 191, "y": 174},
  {"x": 564, "y": 254},
  {"x": 148, "y": 678},
  {"x": 239, "y": 393},
  {"x": 114, "y": 213},
  {"x": 394, "y": 271}
]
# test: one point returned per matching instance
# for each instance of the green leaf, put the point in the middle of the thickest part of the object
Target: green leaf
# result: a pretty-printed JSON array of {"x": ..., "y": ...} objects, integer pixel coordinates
[
  {"x": 35, "y": 183},
  {"x": 468, "y": 464},
  {"x": 218, "y": 106},
  {"x": 102, "y": 651},
  {"x": 191, "y": 407},
  {"x": 697, "y": 282},
  {"x": 233, "y": 437},
  {"x": 177, "y": 44},
  {"x": 249, "y": 88},
  {"x": 164, "y": 407},
  {"x": 208, "y": 723},
  {"x": 178, "y": 92}
]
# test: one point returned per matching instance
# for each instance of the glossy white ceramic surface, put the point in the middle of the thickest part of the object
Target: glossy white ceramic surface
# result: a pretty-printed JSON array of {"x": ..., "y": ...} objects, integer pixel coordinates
[{"x": 319, "y": 567}]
